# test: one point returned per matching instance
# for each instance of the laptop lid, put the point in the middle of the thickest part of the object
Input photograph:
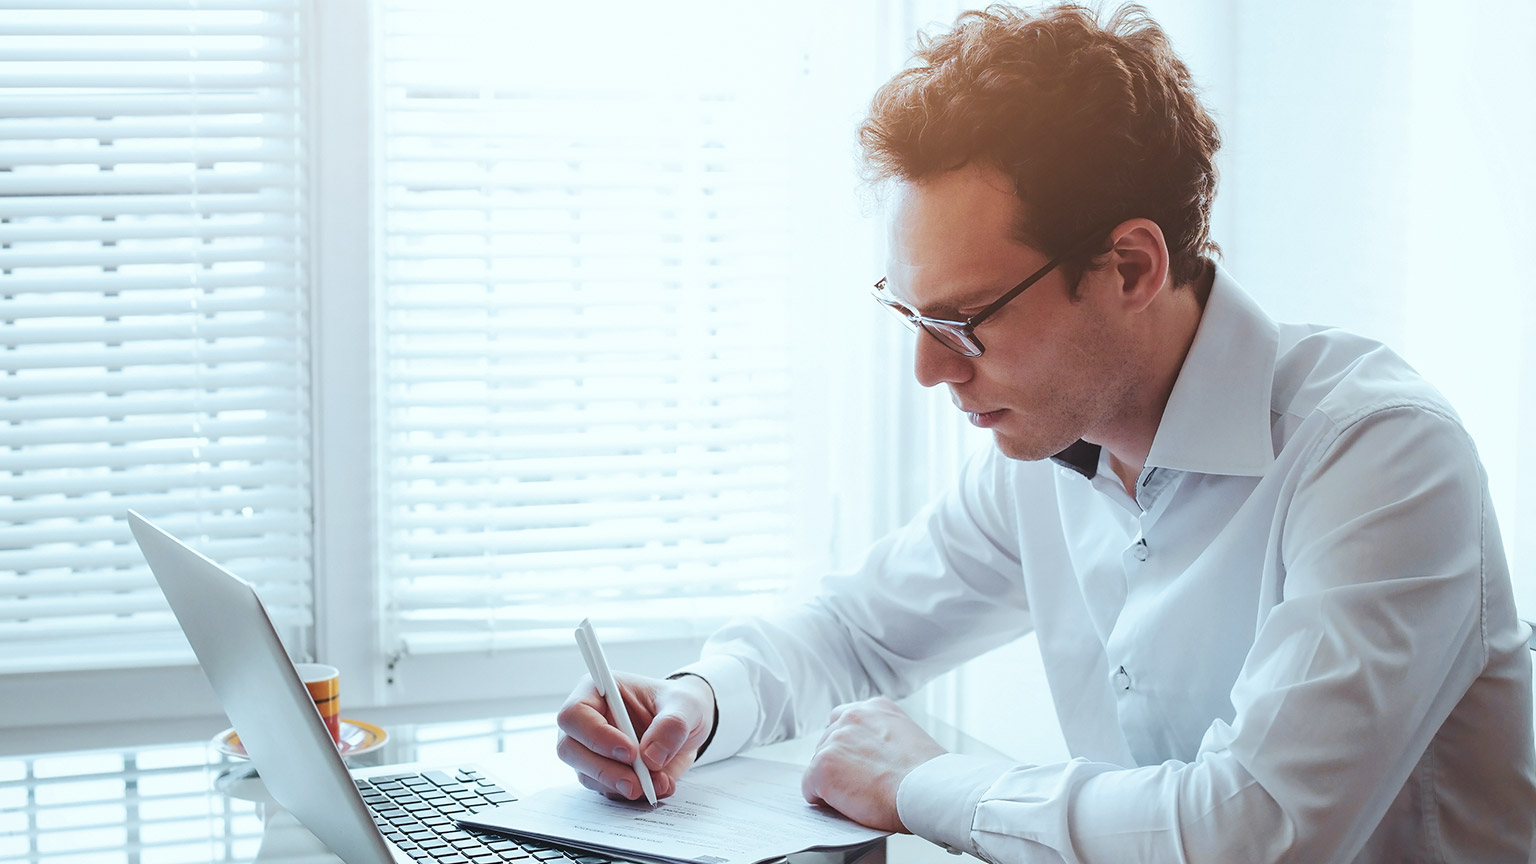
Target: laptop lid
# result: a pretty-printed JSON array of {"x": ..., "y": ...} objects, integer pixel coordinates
[{"x": 249, "y": 669}]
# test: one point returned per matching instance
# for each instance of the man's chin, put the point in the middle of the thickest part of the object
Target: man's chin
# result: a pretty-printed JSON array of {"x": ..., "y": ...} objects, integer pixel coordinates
[{"x": 1027, "y": 450}]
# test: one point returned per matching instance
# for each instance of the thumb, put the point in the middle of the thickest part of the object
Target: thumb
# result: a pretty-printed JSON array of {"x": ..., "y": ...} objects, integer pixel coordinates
[
  {"x": 684, "y": 713},
  {"x": 668, "y": 735}
]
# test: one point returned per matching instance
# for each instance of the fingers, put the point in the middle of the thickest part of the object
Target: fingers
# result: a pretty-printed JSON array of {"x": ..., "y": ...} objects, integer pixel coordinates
[
  {"x": 684, "y": 710},
  {"x": 810, "y": 784},
  {"x": 665, "y": 785},
  {"x": 834, "y": 721},
  {"x": 672, "y": 717},
  {"x": 666, "y": 737},
  {"x": 584, "y": 718},
  {"x": 596, "y": 772},
  {"x": 589, "y": 743},
  {"x": 597, "y": 786}
]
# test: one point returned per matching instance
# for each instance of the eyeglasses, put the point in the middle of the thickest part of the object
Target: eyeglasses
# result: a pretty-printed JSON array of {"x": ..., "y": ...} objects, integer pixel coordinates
[{"x": 960, "y": 336}]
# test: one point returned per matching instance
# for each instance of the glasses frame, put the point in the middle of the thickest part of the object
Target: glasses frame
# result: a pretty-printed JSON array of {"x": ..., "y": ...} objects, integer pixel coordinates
[{"x": 963, "y": 332}]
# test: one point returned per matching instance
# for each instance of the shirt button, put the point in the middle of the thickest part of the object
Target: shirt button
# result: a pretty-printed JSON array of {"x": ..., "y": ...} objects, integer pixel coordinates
[
  {"x": 1122, "y": 679},
  {"x": 1140, "y": 550}
]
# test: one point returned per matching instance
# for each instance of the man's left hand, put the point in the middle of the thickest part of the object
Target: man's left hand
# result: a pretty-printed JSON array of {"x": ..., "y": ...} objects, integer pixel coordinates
[{"x": 868, "y": 749}]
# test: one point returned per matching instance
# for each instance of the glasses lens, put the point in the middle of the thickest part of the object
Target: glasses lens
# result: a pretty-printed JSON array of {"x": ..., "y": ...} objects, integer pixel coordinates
[
  {"x": 903, "y": 314},
  {"x": 954, "y": 339}
]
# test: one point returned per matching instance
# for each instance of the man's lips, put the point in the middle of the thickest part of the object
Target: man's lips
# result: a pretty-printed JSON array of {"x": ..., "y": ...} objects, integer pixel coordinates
[
  {"x": 985, "y": 419},
  {"x": 978, "y": 415}
]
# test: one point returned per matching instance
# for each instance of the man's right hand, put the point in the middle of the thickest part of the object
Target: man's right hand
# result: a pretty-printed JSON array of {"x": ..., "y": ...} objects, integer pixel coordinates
[{"x": 673, "y": 718}]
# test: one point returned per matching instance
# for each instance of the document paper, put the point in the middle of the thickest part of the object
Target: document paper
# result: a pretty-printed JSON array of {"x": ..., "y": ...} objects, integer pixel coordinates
[{"x": 737, "y": 811}]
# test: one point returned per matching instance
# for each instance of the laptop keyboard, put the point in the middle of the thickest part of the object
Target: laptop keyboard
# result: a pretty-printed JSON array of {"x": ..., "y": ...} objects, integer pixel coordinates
[{"x": 416, "y": 812}]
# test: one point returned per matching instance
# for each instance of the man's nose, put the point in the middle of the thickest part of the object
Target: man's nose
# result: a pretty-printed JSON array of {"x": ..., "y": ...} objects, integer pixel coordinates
[{"x": 934, "y": 364}]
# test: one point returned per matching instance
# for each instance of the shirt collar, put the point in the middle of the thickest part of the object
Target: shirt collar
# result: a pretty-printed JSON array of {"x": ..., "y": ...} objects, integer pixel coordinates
[
  {"x": 1217, "y": 420},
  {"x": 1081, "y": 457}
]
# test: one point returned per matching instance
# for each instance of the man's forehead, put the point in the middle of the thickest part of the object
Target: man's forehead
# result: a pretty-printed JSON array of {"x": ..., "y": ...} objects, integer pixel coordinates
[
  {"x": 967, "y": 212},
  {"x": 951, "y": 239}
]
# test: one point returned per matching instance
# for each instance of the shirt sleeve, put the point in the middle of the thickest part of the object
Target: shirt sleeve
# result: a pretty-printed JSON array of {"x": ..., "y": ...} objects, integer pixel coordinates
[
  {"x": 943, "y": 589},
  {"x": 1378, "y": 634}
]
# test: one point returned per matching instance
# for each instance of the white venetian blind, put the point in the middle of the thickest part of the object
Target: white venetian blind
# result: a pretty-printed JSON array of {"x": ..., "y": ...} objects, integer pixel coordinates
[
  {"x": 584, "y": 402},
  {"x": 153, "y": 348}
]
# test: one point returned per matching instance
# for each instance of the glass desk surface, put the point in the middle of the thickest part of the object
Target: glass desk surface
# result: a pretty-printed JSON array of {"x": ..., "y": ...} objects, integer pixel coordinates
[{"x": 190, "y": 804}]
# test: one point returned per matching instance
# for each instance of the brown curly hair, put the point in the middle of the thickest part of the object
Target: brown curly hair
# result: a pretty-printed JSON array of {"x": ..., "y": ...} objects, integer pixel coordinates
[{"x": 1093, "y": 124}]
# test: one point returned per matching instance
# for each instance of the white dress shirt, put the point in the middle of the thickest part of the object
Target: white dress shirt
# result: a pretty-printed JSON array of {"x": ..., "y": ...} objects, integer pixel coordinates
[{"x": 1296, "y": 642}]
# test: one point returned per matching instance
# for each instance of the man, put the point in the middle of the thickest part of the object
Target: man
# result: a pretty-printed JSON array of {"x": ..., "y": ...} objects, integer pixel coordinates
[{"x": 1260, "y": 559}]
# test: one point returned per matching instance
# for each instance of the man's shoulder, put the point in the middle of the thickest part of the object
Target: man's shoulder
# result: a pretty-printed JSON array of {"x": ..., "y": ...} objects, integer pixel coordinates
[{"x": 1325, "y": 373}]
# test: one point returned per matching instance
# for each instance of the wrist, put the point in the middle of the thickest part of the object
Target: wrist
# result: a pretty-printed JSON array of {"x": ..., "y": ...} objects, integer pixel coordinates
[{"x": 707, "y": 692}]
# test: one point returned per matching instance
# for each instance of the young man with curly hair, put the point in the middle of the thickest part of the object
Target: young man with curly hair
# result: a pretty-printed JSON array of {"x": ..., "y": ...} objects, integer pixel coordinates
[{"x": 1260, "y": 558}]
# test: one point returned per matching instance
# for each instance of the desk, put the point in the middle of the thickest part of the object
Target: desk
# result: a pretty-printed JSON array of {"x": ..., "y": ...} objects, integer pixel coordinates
[{"x": 186, "y": 804}]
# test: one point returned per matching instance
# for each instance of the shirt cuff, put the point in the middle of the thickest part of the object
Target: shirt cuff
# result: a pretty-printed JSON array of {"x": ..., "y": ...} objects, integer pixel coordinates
[
  {"x": 938, "y": 800},
  {"x": 735, "y": 701}
]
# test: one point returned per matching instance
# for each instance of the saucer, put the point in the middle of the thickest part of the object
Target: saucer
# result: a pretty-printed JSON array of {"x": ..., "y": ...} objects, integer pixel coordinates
[{"x": 357, "y": 738}]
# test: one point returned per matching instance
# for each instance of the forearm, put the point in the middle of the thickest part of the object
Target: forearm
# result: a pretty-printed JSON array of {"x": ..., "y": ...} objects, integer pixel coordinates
[
  {"x": 1086, "y": 813},
  {"x": 780, "y": 675},
  {"x": 943, "y": 589}
]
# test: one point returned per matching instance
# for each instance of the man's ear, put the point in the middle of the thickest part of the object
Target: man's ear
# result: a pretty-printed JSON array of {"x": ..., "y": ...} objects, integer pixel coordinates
[{"x": 1139, "y": 257}]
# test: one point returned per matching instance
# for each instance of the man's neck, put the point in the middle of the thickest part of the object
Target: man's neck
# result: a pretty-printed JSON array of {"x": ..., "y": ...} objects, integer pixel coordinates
[{"x": 1170, "y": 333}]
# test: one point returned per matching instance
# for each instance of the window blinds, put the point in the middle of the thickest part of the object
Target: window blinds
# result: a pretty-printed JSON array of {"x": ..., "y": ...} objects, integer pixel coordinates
[
  {"x": 152, "y": 317},
  {"x": 584, "y": 401}
]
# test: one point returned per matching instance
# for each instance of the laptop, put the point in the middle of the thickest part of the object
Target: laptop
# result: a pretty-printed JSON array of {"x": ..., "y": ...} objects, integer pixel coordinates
[{"x": 399, "y": 813}]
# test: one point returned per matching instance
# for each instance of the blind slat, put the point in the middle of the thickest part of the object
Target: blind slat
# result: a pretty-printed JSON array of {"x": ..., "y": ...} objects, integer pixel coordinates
[
  {"x": 158, "y": 453},
  {"x": 563, "y": 562},
  {"x": 194, "y": 152},
  {"x": 224, "y": 550},
  {"x": 209, "y": 201},
  {"x": 97, "y": 129},
  {"x": 19, "y": 184},
  {"x": 189, "y": 229}
]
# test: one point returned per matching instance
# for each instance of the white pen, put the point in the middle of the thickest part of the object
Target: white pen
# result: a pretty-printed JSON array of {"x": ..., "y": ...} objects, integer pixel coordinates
[{"x": 602, "y": 676}]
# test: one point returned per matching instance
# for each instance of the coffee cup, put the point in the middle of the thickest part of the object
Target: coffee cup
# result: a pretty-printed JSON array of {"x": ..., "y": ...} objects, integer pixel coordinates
[{"x": 324, "y": 685}]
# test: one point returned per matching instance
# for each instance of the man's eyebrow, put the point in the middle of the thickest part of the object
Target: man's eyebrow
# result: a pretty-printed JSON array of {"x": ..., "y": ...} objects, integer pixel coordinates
[{"x": 976, "y": 299}]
